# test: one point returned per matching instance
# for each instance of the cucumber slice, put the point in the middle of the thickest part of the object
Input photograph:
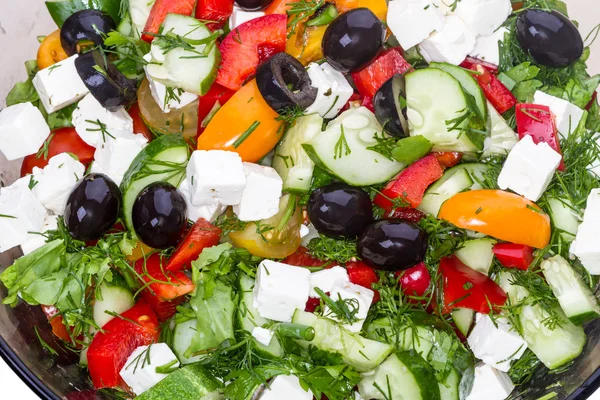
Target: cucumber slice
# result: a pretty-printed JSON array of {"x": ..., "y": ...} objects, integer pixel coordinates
[
  {"x": 190, "y": 70},
  {"x": 114, "y": 299},
  {"x": 192, "y": 382},
  {"x": 564, "y": 218},
  {"x": 357, "y": 351},
  {"x": 449, "y": 389},
  {"x": 434, "y": 99},
  {"x": 502, "y": 138},
  {"x": 182, "y": 339},
  {"x": 477, "y": 254},
  {"x": 139, "y": 10},
  {"x": 554, "y": 348},
  {"x": 60, "y": 10},
  {"x": 405, "y": 338},
  {"x": 342, "y": 149},
  {"x": 574, "y": 296},
  {"x": 469, "y": 84},
  {"x": 463, "y": 318},
  {"x": 291, "y": 161},
  {"x": 404, "y": 375},
  {"x": 248, "y": 319},
  {"x": 164, "y": 159},
  {"x": 454, "y": 181}
]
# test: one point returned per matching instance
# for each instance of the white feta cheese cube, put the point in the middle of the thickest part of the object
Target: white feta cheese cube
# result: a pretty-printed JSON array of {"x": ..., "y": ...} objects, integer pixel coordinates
[
  {"x": 496, "y": 344},
  {"x": 585, "y": 245},
  {"x": 216, "y": 177},
  {"x": 529, "y": 168},
  {"x": 240, "y": 17},
  {"x": 487, "y": 48},
  {"x": 96, "y": 125},
  {"x": 262, "y": 335},
  {"x": 114, "y": 156},
  {"x": 59, "y": 85},
  {"x": 308, "y": 233},
  {"x": 168, "y": 98},
  {"x": 412, "y": 21},
  {"x": 333, "y": 90},
  {"x": 139, "y": 372},
  {"x": 261, "y": 195},
  {"x": 194, "y": 213},
  {"x": 567, "y": 114},
  {"x": 280, "y": 289},
  {"x": 325, "y": 279},
  {"x": 360, "y": 298},
  {"x": 304, "y": 231},
  {"x": 451, "y": 45},
  {"x": 483, "y": 17},
  {"x": 286, "y": 387},
  {"x": 490, "y": 384},
  {"x": 20, "y": 212},
  {"x": 36, "y": 240},
  {"x": 23, "y": 130},
  {"x": 56, "y": 181}
]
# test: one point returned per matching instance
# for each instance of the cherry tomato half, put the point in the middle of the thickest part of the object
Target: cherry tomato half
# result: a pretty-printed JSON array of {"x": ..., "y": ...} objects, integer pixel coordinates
[{"x": 50, "y": 51}]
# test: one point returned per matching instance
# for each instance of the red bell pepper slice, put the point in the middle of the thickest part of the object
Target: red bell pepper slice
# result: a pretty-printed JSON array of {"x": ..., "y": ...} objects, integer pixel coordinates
[
  {"x": 361, "y": 274},
  {"x": 410, "y": 185},
  {"x": 513, "y": 255},
  {"x": 202, "y": 235},
  {"x": 448, "y": 159},
  {"x": 206, "y": 103},
  {"x": 407, "y": 214},
  {"x": 387, "y": 64},
  {"x": 415, "y": 281},
  {"x": 111, "y": 347},
  {"x": 463, "y": 287},
  {"x": 162, "y": 286},
  {"x": 56, "y": 321},
  {"x": 312, "y": 303},
  {"x": 302, "y": 258},
  {"x": 471, "y": 62},
  {"x": 159, "y": 12},
  {"x": 501, "y": 98},
  {"x": 242, "y": 48},
  {"x": 214, "y": 10},
  {"x": 538, "y": 122},
  {"x": 368, "y": 102}
]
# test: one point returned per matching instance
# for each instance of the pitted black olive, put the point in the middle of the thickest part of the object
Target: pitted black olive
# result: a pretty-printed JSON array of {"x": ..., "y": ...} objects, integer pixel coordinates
[
  {"x": 105, "y": 82},
  {"x": 284, "y": 83},
  {"x": 253, "y": 5},
  {"x": 390, "y": 106},
  {"x": 549, "y": 37},
  {"x": 85, "y": 26}
]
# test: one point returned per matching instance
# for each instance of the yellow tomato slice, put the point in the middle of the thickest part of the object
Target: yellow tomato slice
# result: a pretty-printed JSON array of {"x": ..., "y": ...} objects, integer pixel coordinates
[
  {"x": 306, "y": 44},
  {"x": 499, "y": 214},
  {"x": 245, "y": 124},
  {"x": 50, "y": 51},
  {"x": 379, "y": 7}
]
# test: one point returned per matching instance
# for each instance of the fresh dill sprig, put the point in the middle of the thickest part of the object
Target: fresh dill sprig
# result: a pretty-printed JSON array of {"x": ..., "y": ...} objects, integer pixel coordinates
[
  {"x": 341, "y": 148},
  {"x": 522, "y": 370},
  {"x": 172, "y": 93},
  {"x": 345, "y": 310},
  {"x": 329, "y": 249},
  {"x": 443, "y": 239},
  {"x": 300, "y": 11},
  {"x": 45, "y": 345},
  {"x": 102, "y": 128},
  {"x": 43, "y": 151},
  {"x": 385, "y": 145}
]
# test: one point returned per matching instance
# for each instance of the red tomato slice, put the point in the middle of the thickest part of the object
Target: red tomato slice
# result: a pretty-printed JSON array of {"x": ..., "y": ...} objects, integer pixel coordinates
[
  {"x": 415, "y": 281},
  {"x": 202, "y": 235},
  {"x": 64, "y": 140},
  {"x": 111, "y": 347},
  {"x": 302, "y": 258},
  {"x": 206, "y": 103},
  {"x": 168, "y": 285},
  {"x": 363, "y": 275},
  {"x": 159, "y": 12},
  {"x": 214, "y": 10},
  {"x": 240, "y": 48}
]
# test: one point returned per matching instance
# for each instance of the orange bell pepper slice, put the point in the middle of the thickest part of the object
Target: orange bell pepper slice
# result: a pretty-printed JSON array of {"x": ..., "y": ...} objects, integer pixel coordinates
[
  {"x": 50, "y": 51},
  {"x": 245, "y": 124},
  {"x": 305, "y": 44},
  {"x": 499, "y": 214},
  {"x": 379, "y": 7}
]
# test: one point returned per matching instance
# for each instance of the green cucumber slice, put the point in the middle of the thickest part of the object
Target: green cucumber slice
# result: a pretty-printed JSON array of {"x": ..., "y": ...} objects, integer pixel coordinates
[
  {"x": 60, "y": 10},
  {"x": 182, "y": 339},
  {"x": 404, "y": 375},
  {"x": 554, "y": 347},
  {"x": 435, "y": 99},
  {"x": 343, "y": 149},
  {"x": 477, "y": 254},
  {"x": 405, "y": 338},
  {"x": 190, "y": 70},
  {"x": 291, "y": 161},
  {"x": 114, "y": 299},
  {"x": 564, "y": 218},
  {"x": 502, "y": 138},
  {"x": 574, "y": 296},
  {"x": 469, "y": 84},
  {"x": 463, "y": 318},
  {"x": 139, "y": 11},
  {"x": 162, "y": 160},
  {"x": 449, "y": 389},
  {"x": 357, "y": 351}
]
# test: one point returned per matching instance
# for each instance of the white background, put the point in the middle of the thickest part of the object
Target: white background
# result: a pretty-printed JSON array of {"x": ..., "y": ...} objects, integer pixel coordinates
[{"x": 21, "y": 21}]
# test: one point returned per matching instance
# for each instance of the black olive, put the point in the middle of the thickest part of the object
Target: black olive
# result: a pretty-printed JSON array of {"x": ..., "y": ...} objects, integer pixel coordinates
[
  {"x": 392, "y": 245},
  {"x": 390, "y": 106},
  {"x": 93, "y": 207},
  {"x": 253, "y": 5},
  {"x": 85, "y": 26},
  {"x": 353, "y": 40},
  {"x": 159, "y": 215},
  {"x": 284, "y": 83},
  {"x": 339, "y": 210},
  {"x": 105, "y": 82},
  {"x": 549, "y": 37}
]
